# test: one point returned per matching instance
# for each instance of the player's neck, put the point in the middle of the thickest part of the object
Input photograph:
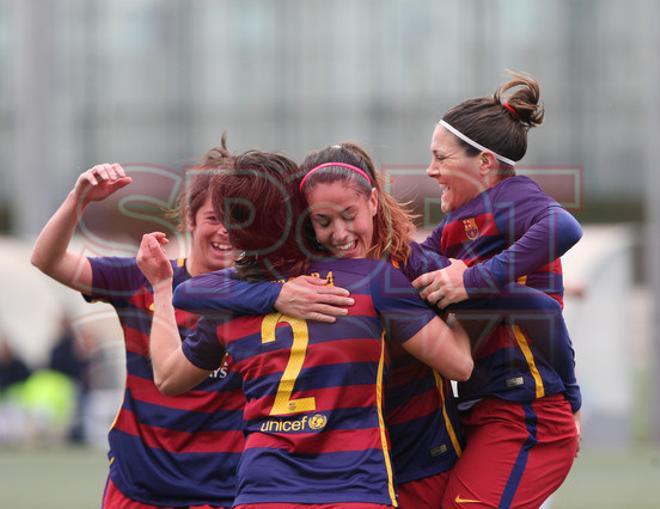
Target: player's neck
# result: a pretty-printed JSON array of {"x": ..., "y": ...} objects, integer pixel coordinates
[{"x": 194, "y": 266}]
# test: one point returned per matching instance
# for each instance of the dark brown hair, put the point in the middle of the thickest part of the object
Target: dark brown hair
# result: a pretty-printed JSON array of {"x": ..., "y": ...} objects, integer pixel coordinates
[
  {"x": 258, "y": 201},
  {"x": 197, "y": 184},
  {"x": 502, "y": 130},
  {"x": 393, "y": 227}
]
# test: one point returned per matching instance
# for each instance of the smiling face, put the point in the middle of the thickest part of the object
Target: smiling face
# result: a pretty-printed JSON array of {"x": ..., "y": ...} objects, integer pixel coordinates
[
  {"x": 343, "y": 218},
  {"x": 460, "y": 175},
  {"x": 211, "y": 249}
]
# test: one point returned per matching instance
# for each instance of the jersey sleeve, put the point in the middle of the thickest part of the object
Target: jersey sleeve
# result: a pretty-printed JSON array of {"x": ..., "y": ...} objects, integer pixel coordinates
[
  {"x": 114, "y": 278},
  {"x": 202, "y": 347},
  {"x": 422, "y": 261},
  {"x": 539, "y": 231},
  {"x": 539, "y": 316},
  {"x": 224, "y": 291},
  {"x": 401, "y": 310},
  {"x": 432, "y": 242}
]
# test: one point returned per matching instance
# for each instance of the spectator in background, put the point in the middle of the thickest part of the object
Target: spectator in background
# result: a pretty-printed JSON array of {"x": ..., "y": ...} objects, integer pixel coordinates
[
  {"x": 70, "y": 358},
  {"x": 12, "y": 368}
]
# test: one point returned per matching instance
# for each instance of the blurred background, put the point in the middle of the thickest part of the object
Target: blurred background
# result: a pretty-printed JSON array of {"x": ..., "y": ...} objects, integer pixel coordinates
[{"x": 152, "y": 84}]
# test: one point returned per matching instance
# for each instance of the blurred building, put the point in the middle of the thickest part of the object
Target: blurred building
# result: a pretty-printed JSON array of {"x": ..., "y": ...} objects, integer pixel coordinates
[{"x": 152, "y": 81}]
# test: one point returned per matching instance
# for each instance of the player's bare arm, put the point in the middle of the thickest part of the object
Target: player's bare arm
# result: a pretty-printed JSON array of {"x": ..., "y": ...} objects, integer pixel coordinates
[
  {"x": 173, "y": 372},
  {"x": 443, "y": 346},
  {"x": 51, "y": 253}
]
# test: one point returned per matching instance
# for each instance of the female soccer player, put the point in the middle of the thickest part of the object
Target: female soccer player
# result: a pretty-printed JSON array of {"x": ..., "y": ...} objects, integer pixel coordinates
[
  {"x": 314, "y": 418},
  {"x": 523, "y": 431},
  {"x": 164, "y": 452},
  {"x": 353, "y": 217}
]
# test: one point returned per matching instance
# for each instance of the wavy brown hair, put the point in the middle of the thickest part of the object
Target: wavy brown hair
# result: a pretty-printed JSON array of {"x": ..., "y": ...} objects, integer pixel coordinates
[
  {"x": 197, "y": 185},
  {"x": 393, "y": 223}
]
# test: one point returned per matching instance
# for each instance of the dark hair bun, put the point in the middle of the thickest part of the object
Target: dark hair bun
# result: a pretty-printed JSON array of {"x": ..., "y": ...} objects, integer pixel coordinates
[{"x": 522, "y": 93}]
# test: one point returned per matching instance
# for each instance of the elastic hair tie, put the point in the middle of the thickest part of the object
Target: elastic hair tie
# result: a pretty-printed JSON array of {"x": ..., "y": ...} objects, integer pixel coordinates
[
  {"x": 476, "y": 145},
  {"x": 355, "y": 169},
  {"x": 512, "y": 110}
]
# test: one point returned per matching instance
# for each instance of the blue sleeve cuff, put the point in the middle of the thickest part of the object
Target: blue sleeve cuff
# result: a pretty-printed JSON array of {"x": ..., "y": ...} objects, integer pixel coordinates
[{"x": 223, "y": 291}]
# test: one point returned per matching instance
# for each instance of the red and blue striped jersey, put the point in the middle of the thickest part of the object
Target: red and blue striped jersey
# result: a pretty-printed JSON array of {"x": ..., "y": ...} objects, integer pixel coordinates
[
  {"x": 314, "y": 419},
  {"x": 171, "y": 451},
  {"x": 420, "y": 407},
  {"x": 511, "y": 232},
  {"x": 421, "y": 411}
]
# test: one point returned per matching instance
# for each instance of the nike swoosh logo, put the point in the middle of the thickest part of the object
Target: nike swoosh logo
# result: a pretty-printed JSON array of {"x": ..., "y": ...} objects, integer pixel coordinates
[{"x": 460, "y": 500}]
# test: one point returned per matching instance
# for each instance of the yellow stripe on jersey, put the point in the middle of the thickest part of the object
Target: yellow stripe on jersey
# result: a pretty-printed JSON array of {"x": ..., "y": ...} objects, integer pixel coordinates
[
  {"x": 180, "y": 262},
  {"x": 522, "y": 280},
  {"x": 439, "y": 385},
  {"x": 523, "y": 344},
  {"x": 381, "y": 421}
]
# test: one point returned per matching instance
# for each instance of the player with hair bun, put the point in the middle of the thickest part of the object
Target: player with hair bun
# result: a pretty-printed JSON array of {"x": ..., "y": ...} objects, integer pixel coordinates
[
  {"x": 165, "y": 452},
  {"x": 354, "y": 217},
  {"x": 521, "y": 430}
]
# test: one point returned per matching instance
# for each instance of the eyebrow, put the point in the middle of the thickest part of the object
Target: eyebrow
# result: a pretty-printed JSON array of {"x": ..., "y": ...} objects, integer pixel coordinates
[{"x": 350, "y": 208}]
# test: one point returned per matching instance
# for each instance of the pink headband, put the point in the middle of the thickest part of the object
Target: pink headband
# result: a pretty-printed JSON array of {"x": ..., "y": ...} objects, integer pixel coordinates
[{"x": 329, "y": 165}]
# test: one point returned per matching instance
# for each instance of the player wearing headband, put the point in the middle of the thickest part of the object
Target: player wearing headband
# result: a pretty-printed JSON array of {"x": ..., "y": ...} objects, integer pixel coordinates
[
  {"x": 420, "y": 411},
  {"x": 314, "y": 417},
  {"x": 165, "y": 452},
  {"x": 521, "y": 433}
]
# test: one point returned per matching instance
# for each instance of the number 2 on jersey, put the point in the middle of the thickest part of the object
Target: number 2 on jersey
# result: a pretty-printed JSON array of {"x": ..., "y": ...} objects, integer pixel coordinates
[{"x": 283, "y": 403}]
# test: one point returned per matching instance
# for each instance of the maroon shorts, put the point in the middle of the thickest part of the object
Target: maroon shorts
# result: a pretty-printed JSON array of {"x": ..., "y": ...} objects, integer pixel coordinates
[
  {"x": 424, "y": 493},
  {"x": 517, "y": 454},
  {"x": 115, "y": 499}
]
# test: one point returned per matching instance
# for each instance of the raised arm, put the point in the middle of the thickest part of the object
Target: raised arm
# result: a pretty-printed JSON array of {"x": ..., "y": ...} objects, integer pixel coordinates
[
  {"x": 51, "y": 252},
  {"x": 173, "y": 372},
  {"x": 553, "y": 233},
  {"x": 547, "y": 236}
]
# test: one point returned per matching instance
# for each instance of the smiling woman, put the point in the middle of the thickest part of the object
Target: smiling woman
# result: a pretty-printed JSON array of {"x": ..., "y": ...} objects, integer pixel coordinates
[
  {"x": 313, "y": 390},
  {"x": 150, "y": 440},
  {"x": 505, "y": 229},
  {"x": 352, "y": 215},
  {"x": 342, "y": 217}
]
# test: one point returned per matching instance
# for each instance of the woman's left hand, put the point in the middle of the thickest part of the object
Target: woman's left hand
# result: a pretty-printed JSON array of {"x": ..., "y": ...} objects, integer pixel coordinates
[
  {"x": 152, "y": 260},
  {"x": 445, "y": 286}
]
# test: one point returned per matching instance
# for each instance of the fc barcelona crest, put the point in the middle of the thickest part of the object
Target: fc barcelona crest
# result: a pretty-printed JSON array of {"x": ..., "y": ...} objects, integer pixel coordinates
[{"x": 471, "y": 228}]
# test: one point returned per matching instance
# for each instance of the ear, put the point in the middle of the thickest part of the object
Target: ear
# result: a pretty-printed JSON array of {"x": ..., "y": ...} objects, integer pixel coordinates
[
  {"x": 373, "y": 202},
  {"x": 190, "y": 224},
  {"x": 488, "y": 164}
]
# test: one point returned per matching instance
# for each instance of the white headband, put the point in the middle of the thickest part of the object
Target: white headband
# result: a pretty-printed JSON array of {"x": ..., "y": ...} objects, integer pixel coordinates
[{"x": 476, "y": 145}]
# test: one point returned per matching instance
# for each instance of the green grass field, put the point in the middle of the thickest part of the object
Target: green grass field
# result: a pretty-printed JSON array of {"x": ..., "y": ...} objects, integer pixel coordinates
[{"x": 73, "y": 478}]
